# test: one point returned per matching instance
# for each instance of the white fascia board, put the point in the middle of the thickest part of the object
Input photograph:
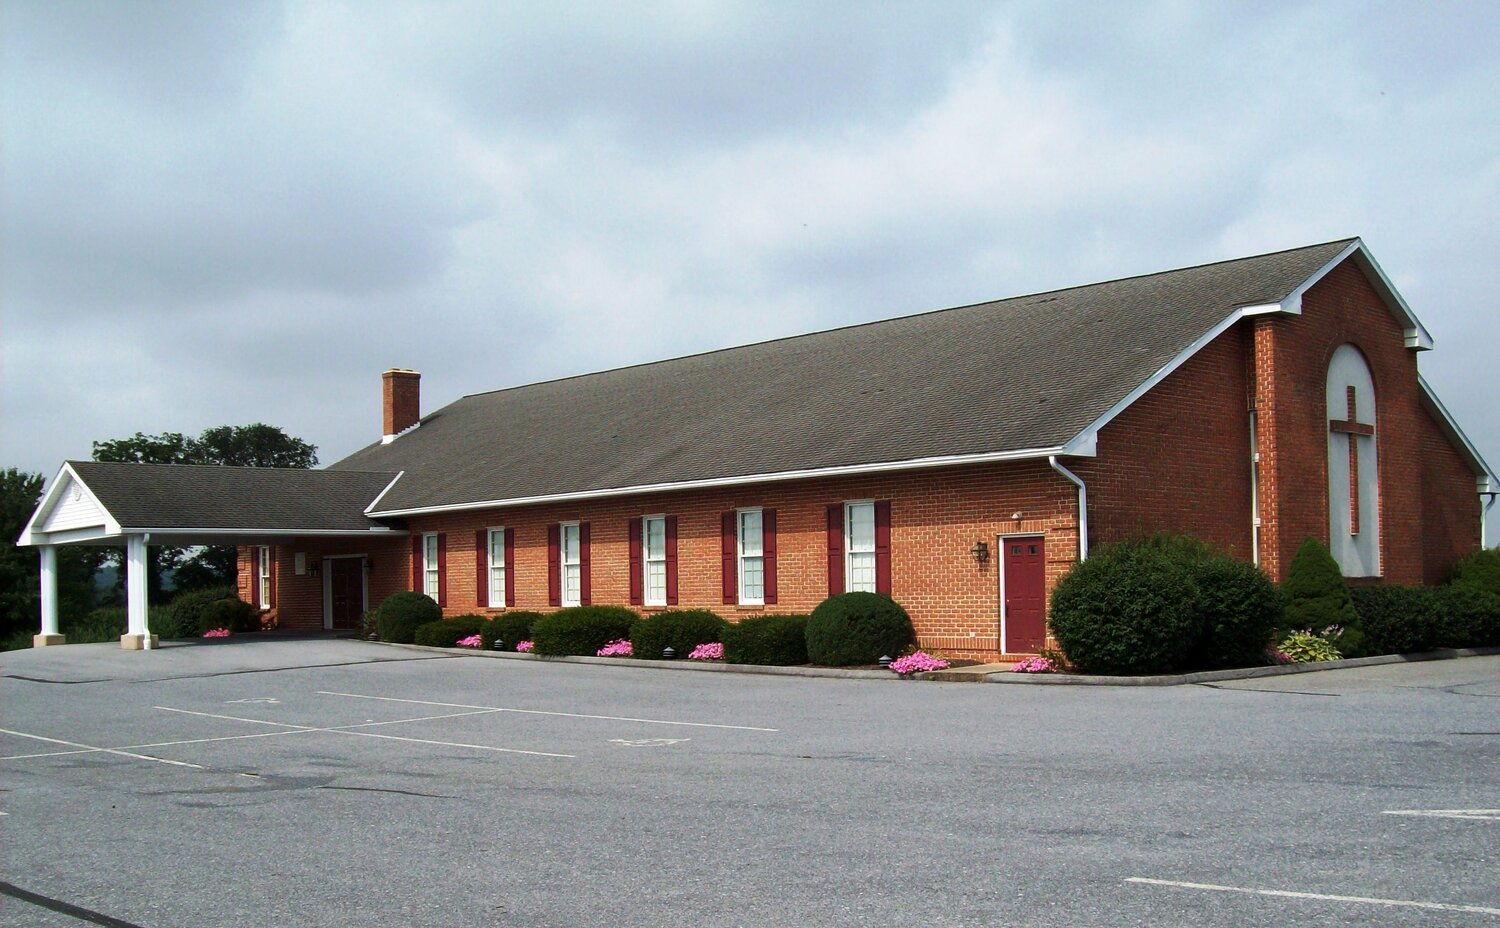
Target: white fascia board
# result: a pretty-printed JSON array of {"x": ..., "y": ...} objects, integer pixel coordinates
[
  {"x": 1486, "y": 479},
  {"x": 381, "y": 495},
  {"x": 952, "y": 460},
  {"x": 1086, "y": 441},
  {"x": 65, "y": 476},
  {"x": 1417, "y": 336},
  {"x": 270, "y": 532}
]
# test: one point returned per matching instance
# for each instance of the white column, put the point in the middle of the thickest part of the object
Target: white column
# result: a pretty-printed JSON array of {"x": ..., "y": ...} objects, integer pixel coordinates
[
  {"x": 50, "y": 633},
  {"x": 137, "y": 635}
]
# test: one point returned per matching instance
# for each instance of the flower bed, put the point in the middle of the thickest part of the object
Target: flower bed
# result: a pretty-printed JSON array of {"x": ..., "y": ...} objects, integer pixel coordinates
[
  {"x": 709, "y": 651},
  {"x": 917, "y": 662},
  {"x": 620, "y": 647}
]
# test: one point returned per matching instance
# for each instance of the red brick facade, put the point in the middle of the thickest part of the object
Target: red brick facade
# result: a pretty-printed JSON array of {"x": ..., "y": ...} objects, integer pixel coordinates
[{"x": 1179, "y": 459}]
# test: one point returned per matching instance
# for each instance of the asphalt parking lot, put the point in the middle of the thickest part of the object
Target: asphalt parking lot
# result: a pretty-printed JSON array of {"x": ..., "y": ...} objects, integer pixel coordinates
[{"x": 333, "y": 783}]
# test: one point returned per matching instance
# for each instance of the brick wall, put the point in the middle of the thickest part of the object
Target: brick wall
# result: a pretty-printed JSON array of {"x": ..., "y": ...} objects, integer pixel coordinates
[{"x": 1450, "y": 505}]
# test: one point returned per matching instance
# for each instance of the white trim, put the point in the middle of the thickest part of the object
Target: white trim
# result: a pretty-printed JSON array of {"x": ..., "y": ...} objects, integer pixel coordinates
[
  {"x": 387, "y": 439},
  {"x": 29, "y": 534},
  {"x": 563, "y": 564},
  {"x": 951, "y": 460},
  {"x": 381, "y": 495},
  {"x": 433, "y": 567},
  {"x": 646, "y": 561},
  {"x": 490, "y": 533},
  {"x": 849, "y": 551},
  {"x": 1000, "y": 538},
  {"x": 739, "y": 557}
]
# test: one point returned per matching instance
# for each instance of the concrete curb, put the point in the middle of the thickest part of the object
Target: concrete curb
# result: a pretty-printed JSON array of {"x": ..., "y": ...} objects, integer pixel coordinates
[{"x": 961, "y": 674}]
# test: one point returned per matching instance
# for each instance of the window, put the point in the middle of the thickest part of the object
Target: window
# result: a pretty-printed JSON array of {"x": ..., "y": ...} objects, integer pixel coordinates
[
  {"x": 572, "y": 565},
  {"x": 430, "y": 566},
  {"x": 859, "y": 547},
  {"x": 752, "y": 561},
  {"x": 654, "y": 560},
  {"x": 497, "y": 567},
  {"x": 263, "y": 575}
]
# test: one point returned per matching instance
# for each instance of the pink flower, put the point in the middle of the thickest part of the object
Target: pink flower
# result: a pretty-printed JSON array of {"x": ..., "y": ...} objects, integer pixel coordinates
[
  {"x": 216, "y": 633},
  {"x": 617, "y": 648},
  {"x": 709, "y": 651},
  {"x": 917, "y": 662},
  {"x": 524, "y": 646},
  {"x": 473, "y": 641},
  {"x": 1034, "y": 665}
]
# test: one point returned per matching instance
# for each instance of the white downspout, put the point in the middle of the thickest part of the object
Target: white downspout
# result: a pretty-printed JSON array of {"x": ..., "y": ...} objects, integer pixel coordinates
[
  {"x": 1083, "y": 506},
  {"x": 1484, "y": 519}
]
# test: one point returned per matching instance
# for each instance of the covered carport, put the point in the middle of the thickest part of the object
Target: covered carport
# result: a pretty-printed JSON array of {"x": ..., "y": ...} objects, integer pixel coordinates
[{"x": 135, "y": 505}]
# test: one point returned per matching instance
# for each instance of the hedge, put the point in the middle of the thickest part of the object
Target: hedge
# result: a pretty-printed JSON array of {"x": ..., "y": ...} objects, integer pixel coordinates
[
  {"x": 402, "y": 613},
  {"x": 779, "y": 640},
  {"x": 682, "y": 630},
  {"x": 1408, "y": 619},
  {"x": 180, "y": 618},
  {"x": 581, "y": 630},
  {"x": 509, "y": 627},
  {"x": 857, "y": 628},
  {"x": 232, "y": 613},
  {"x": 446, "y": 633},
  {"x": 1480, "y": 570}
]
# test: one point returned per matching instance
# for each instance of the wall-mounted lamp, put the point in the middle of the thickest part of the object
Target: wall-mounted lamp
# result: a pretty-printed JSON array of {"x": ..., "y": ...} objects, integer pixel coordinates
[
  {"x": 314, "y": 570},
  {"x": 981, "y": 552},
  {"x": 1017, "y": 515}
]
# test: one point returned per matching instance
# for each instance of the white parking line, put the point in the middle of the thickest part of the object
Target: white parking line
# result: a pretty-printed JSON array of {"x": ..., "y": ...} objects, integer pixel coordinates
[
  {"x": 570, "y": 715},
  {"x": 349, "y": 730},
  {"x": 1289, "y": 894},
  {"x": 89, "y": 748},
  {"x": 1476, "y": 815}
]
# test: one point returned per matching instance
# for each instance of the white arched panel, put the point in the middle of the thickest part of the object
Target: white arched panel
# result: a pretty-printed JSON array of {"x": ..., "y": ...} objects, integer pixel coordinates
[{"x": 1353, "y": 503}]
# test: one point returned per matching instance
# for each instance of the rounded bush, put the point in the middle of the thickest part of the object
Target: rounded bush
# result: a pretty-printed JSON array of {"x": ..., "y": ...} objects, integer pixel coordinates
[
  {"x": 1470, "y": 617},
  {"x": 446, "y": 633},
  {"x": 857, "y": 628},
  {"x": 580, "y": 630},
  {"x": 509, "y": 627},
  {"x": 1480, "y": 570},
  {"x": 1131, "y": 608},
  {"x": 680, "y": 629},
  {"x": 233, "y": 613},
  {"x": 401, "y": 614},
  {"x": 1399, "y": 619},
  {"x": 180, "y": 617},
  {"x": 1239, "y": 610},
  {"x": 1318, "y": 598},
  {"x": 777, "y": 640}
]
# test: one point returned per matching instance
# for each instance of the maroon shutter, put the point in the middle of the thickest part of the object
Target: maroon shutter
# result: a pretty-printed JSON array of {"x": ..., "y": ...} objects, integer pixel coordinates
[
  {"x": 416, "y": 563},
  {"x": 835, "y": 549},
  {"x": 255, "y": 576},
  {"x": 443, "y": 569},
  {"x": 637, "y": 581},
  {"x": 554, "y": 565},
  {"x": 271, "y": 569},
  {"x": 768, "y": 550},
  {"x": 585, "y": 596},
  {"x": 883, "y": 547},
  {"x": 671, "y": 560},
  {"x": 481, "y": 568},
  {"x": 730, "y": 547},
  {"x": 510, "y": 567}
]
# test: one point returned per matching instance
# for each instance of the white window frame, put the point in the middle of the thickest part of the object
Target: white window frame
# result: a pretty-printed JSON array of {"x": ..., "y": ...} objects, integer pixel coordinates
[
  {"x": 565, "y": 566},
  {"x": 430, "y": 574},
  {"x": 263, "y": 575},
  {"x": 648, "y": 561},
  {"x": 496, "y": 560},
  {"x": 742, "y": 558},
  {"x": 850, "y": 508}
]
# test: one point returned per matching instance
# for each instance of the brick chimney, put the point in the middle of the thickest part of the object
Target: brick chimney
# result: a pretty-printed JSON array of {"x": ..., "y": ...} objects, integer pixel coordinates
[{"x": 401, "y": 393}]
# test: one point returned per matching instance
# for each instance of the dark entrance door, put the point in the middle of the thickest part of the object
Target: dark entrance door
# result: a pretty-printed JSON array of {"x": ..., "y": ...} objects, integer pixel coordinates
[
  {"x": 1025, "y": 595},
  {"x": 346, "y": 578}
]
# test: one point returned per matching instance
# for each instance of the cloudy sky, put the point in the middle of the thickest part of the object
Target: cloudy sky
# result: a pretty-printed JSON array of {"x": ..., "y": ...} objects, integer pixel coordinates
[{"x": 233, "y": 212}]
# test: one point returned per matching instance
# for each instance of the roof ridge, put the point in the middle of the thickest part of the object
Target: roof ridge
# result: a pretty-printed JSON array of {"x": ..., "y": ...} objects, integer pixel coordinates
[
  {"x": 297, "y": 470},
  {"x": 890, "y": 319}
]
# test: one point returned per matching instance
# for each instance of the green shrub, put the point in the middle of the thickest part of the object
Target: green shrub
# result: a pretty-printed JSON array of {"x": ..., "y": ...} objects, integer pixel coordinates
[
  {"x": 1317, "y": 597},
  {"x": 1399, "y": 619},
  {"x": 1470, "y": 617},
  {"x": 180, "y": 618},
  {"x": 581, "y": 629},
  {"x": 232, "y": 613},
  {"x": 509, "y": 627},
  {"x": 857, "y": 628},
  {"x": 446, "y": 633},
  {"x": 98, "y": 625},
  {"x": 400, "y": 614},
  {"x": 1131, "y": 608},
  {"x": 1239, "y": 610},
  {"x": 779, "y": 640},
  {"x": 1480, "y": 570},
  {"x": 1304, "y": 647},
  {"x": 682, "y": 630}
]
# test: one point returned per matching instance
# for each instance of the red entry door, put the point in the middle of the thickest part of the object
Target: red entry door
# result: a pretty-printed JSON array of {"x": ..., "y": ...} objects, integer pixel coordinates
[
  {"x": 1025, "y": 595},
  {"x": 346, "y": 578}
]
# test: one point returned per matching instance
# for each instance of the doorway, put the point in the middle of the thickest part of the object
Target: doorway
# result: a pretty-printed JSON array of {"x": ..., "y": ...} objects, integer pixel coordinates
[
  {"x": 1024, "y": 594},
  {"x": 345, "y": 601}
]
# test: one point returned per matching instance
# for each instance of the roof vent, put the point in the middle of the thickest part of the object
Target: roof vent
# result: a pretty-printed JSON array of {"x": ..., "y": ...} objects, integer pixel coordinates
[{"x": 401, "y": 395}]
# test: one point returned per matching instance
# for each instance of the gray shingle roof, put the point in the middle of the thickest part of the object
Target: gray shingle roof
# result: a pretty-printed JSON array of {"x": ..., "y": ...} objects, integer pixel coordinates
[
  {"x": 1024, "y": 373},
  {"x": 185, "y": 496}
]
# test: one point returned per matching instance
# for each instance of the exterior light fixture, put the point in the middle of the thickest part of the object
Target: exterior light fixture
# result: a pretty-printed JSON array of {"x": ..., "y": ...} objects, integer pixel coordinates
[
  {"x": 498, "y": 645},
  {"x": 885, "y": 662},
  {"x": 981, "y": 551},
  {"x": 668, "y": 653}
]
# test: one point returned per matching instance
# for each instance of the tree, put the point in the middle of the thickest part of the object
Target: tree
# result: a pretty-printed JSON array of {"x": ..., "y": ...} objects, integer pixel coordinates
[
  {"x": 255, "y": 445},
  {"x": 1317, "y": 597},
  {"x": 20, "y": 568}
]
